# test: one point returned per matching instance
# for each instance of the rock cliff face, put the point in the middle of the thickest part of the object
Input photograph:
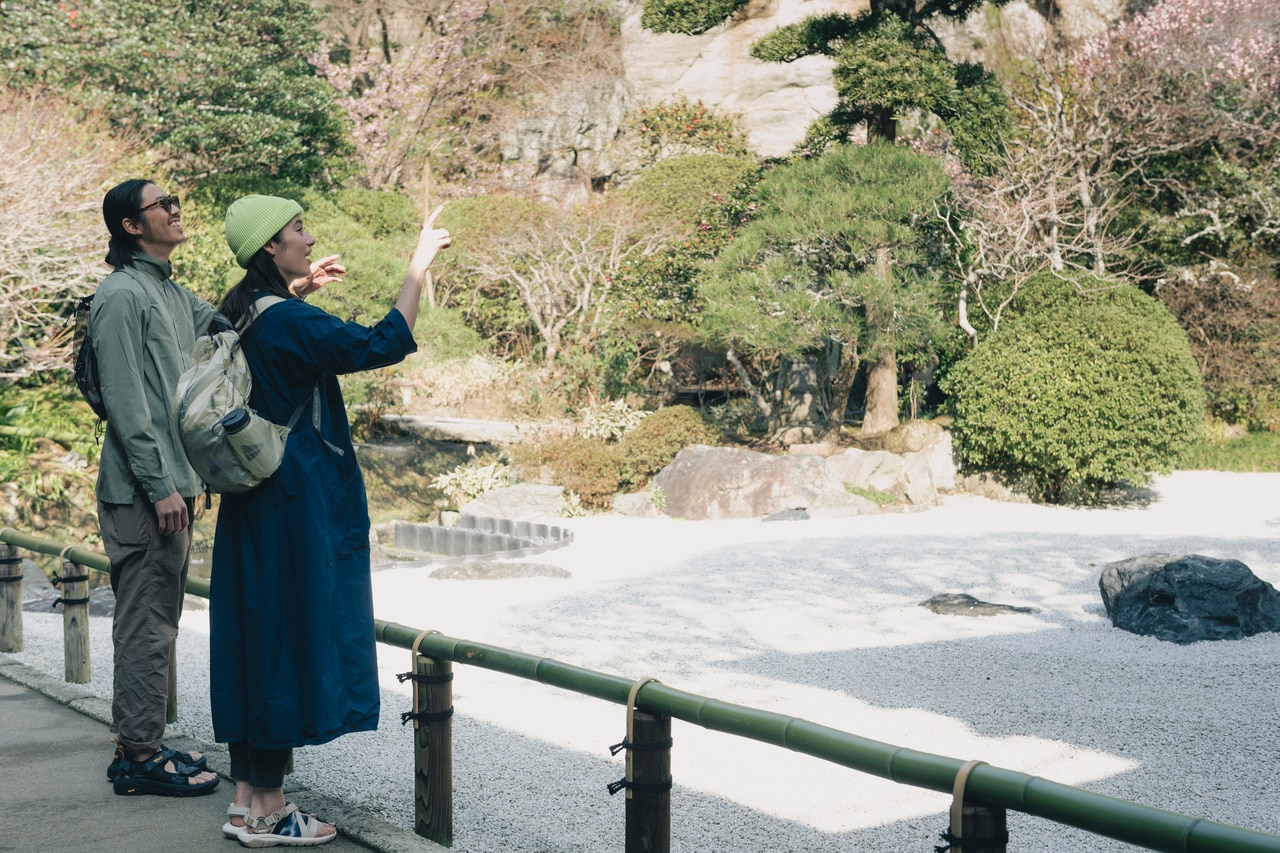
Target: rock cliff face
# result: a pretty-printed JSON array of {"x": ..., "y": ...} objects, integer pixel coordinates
[
  {"x": 777, "y": 101},
  {"x": 574, "y": 143}
]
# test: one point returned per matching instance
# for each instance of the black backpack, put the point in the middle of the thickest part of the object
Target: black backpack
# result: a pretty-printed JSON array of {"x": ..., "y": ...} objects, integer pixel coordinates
[{"x": 84, "y": 360}]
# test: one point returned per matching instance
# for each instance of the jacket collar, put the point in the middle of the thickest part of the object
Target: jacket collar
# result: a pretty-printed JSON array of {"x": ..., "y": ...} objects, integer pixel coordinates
[{"x": 152, "y": 265}]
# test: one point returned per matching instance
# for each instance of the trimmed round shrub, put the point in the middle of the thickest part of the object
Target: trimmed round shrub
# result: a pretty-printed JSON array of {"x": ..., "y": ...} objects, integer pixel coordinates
[
  {"x": 650, "y": 447},
  {"x": 585, "y": 466},
  {"x": 1079, "y": 395}
]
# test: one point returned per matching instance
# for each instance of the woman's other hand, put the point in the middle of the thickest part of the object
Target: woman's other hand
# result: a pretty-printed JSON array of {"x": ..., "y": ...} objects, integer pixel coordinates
[{"x": 324, "y": 271}]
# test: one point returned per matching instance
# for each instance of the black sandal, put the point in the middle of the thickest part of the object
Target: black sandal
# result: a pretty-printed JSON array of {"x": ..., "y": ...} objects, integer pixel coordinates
[
  {"x": 113, "y": 769},
  {"x": 150, "y": 777}
]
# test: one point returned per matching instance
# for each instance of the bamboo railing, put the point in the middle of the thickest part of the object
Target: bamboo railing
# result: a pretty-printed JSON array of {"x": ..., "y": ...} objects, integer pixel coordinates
[{"x": 981, "y": 793}]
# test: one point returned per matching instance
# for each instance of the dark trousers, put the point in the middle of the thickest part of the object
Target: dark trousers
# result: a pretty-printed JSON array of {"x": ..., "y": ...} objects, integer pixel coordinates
[
  {"x": 148, "y": 577},
  {"x": 261, "y": 768}
]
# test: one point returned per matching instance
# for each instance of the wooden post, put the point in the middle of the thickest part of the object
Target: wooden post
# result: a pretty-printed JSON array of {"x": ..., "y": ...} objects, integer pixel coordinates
[
  {"x": 975, "y": 828},
  {"x": 433, "y": 749},
  {"x": 75, "y": 622},
  {"x": 10, "y": 599},
  {"x": 429, "y": 282},
  {"x": 649, "y": 792},
  {"x": 984, "y": 829},
  {"x": 171, "y": 706}
]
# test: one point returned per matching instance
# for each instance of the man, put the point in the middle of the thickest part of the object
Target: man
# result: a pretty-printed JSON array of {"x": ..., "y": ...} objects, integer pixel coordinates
[{"x": 143, "y": 327}]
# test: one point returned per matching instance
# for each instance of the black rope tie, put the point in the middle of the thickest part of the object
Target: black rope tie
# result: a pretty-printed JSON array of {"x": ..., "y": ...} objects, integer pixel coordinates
[
  {"x": 425, "y": 716},
  {"x": 10, "y": 561},
  {"x": 639, "y": 787},
  {"x": 957, "y": 841},
  {"x": 402, "y": 677},
  {"x": 10, "y": 578},
  {"x": 65, "y": 601},
  {"x": 654, "y": 746},
  {"x": 75, "y": 579}
]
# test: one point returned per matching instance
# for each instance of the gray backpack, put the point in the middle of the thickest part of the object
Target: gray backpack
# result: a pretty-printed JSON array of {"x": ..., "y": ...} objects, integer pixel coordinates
[{"x": 229, "y": 445}]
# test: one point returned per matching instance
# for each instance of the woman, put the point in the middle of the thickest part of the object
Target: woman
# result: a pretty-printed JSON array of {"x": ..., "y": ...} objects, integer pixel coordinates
[{"x": 292, "y": 649}]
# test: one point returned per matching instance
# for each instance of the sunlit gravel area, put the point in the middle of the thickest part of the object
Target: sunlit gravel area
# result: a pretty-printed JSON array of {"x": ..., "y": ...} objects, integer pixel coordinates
[{"x": 820, "y": 619}]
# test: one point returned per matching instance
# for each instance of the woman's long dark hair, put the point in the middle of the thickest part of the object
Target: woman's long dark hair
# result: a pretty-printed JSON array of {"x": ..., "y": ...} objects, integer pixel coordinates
[
  {"x": 261, "y": 276},
  {"x": 123, "y": 201}
]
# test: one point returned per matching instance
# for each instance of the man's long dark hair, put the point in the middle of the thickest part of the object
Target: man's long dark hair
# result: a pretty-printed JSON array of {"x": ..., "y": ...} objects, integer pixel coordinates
[
  {"x": 262, "y": 276},
  {"x": 123, "y": 201}
]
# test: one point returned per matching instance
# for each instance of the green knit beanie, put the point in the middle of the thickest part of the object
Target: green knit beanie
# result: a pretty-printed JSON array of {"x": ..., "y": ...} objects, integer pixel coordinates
[{"x": 253, "y": 220}]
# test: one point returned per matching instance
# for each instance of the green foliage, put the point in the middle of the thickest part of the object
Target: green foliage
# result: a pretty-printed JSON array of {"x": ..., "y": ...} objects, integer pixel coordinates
[
  {"x": 1079, "y": 395},
  {"x": 707, "y": 197},
  {"x": 370, "y": 395},
  {"x": 893, "y": 67},
  {"x": 443, "y": 335},
  {"x": 876, "y": 497},
  {"x": 690, "y": 17},
  {"x": 1251, "y": 452},
  {"x": 38, "y": 426},
  {"x": 467, "y": 482},
  {"x": 611, "y": 421},
  {"x": 587, "y": 467},
  {"x": 817, "y": 35},
  {"x": 978, "y": 117},
  {"x": 698, "y": 192},
  {"x": 478, "y": 224},
  {"x": 681, "y": 126},
  {"x": 650, "y": 447},
  {"x": 216, "y": 87},
  {"x": 803, "y": 271},
  {"x": 887, "y": 64}
]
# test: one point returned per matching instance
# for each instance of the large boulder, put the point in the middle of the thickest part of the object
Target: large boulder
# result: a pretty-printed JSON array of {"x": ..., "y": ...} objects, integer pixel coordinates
[
  {"x": 916, "y": 486},
  {"x": 841, "y": 504},
  {"x": 877, "y": 470},
  {"x": 523, "y": 501},
  {"x": 914, "y": 464},
  {"x": 1184, "y": 598},
  {"x": 729, "y": 482},
  {"x": 911, "y": 437}
]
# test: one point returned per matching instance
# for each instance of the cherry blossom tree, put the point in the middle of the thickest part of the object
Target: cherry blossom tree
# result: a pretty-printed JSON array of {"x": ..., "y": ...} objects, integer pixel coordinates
[{"x": 400, "y": 108}]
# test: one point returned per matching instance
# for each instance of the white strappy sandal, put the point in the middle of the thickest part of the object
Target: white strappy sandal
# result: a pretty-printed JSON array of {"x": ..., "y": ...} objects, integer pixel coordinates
[
  {"x": 229, "y": 829},
  {"x": 285, "y": 827}
]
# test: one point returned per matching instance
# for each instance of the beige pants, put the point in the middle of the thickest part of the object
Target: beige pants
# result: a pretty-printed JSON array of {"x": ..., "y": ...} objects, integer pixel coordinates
[{"x": 148, "y": 577}]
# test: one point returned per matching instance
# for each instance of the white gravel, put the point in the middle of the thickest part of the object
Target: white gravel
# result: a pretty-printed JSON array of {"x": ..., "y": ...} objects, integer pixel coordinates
[{"x": 819, "y": 619}]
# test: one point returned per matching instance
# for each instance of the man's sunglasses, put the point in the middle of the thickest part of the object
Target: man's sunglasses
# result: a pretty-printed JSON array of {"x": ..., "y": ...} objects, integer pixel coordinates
[{"x": 169, "y": 202}]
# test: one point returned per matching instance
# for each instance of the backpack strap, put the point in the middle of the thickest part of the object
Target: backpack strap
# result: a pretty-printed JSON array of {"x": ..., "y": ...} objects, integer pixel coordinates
[{"x": 260, "y": 304}]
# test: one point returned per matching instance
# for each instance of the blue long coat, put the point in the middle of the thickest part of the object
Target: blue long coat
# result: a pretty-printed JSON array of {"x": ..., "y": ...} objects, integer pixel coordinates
[{"x": 292, "y": 652}]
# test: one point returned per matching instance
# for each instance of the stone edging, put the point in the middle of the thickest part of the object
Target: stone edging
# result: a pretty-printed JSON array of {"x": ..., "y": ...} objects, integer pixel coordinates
[{"x": 475, "y": 536}]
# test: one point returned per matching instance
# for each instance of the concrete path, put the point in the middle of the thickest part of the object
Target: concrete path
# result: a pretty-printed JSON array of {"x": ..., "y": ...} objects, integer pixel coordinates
[{"x": 54, "y": 750}]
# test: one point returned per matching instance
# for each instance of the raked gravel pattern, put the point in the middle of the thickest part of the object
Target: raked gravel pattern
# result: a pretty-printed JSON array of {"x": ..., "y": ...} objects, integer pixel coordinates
[{"x": 819, "y": 619}]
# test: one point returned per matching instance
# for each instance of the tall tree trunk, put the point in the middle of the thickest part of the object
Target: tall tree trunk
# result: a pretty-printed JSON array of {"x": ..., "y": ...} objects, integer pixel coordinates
[
  {"x": 882, "y": 395},
  {"x": 841, "y": 385},
  {"x": 882, "y": 126},
  {"x": 882, "y": 373}
]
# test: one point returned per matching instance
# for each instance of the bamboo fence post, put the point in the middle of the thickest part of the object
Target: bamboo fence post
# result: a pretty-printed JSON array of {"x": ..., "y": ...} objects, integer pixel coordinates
[
  {"x": 649, "y": 789},
  {"x": 432, "y": 717},
  {"x": 10, "y": 598},
  {"x": 429, "y": 282},
  {"x": 75, "y": 622},
  {"x": 171, "y": 704}
]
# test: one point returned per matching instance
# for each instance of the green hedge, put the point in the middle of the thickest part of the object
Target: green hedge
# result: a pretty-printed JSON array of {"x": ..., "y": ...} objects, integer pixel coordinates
[{"x": 1079, "y": 394}]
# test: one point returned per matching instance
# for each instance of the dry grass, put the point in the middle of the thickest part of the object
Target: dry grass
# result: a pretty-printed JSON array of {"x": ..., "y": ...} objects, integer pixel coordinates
[{"x": 56, "y": 161}]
